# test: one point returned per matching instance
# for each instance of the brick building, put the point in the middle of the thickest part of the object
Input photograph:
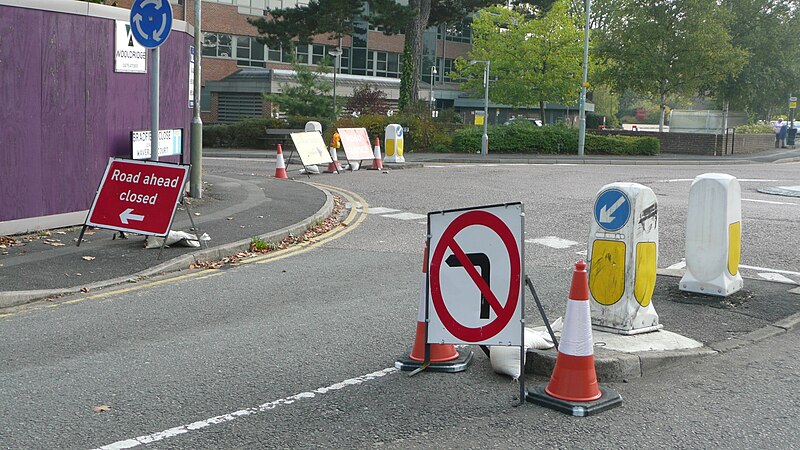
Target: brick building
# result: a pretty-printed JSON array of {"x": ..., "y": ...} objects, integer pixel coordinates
[{"x": 236, "y": 69}]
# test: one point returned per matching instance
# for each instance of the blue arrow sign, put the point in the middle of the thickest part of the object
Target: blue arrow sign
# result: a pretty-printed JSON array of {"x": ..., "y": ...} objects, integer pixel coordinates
[
  {"x": 151, "y": 21},
  {"x": 612, "y": 209}
]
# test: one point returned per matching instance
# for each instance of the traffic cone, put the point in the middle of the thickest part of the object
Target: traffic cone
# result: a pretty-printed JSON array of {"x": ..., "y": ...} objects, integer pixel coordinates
[
  {"x": 377, "y": 162},
  {"x": 334, "y": 166},
  {"x": 442, "y": 357},
  {"x": 573, "y": 387},
  {"x": 280, "y": 166}
]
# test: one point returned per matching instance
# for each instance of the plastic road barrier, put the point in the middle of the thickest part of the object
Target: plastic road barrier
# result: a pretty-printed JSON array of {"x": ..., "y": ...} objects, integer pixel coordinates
[
  {"x": 713, "y": 236},
  {"x": 623, "y": 253},
  {"x": 394, "y": 144}
]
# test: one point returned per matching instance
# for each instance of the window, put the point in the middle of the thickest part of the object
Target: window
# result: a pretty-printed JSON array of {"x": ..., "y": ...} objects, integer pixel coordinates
[
  {"x": 249, "y": 52},
  {"x": 449, "y": 65},
  {"x": 459, "y": 32},
  {"x": 318, "y": 53},
  {"x": 215, "y": 44},
  {"x": 302, "y": 54}
]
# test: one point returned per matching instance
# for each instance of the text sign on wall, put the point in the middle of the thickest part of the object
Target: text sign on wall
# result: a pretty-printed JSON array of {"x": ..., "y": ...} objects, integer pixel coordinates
[
  {"x": 138, "y": 196},
  {"x": 356, "y": 144},
  {"x": 191, "y": 76},
  {"x": 170, "y": 143},
  {"x": 129, "y": 55},
  {"x": 475, "y": 275}
]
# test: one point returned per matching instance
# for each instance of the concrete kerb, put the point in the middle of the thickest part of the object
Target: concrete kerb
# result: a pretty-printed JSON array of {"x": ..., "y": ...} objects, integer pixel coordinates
[{"x": 15, "y": 298}]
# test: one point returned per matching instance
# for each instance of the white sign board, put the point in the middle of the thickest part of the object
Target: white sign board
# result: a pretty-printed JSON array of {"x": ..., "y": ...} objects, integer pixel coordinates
[
  {"x": 475, "y": 269},
  {"x": 170, "y": 143},
  {"x": 356, "y": 144},
  {"x": 192, "y": 57},
  {"x": 129, "y": 55},
  {"x": 311, "y": 148}
]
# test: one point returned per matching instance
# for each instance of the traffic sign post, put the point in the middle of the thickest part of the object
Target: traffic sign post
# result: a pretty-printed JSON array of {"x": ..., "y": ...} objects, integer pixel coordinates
[
  {"x": 137, "y": 197},
  {"x": 151, "y": 24},
  {"x": 623, "y": 252}
]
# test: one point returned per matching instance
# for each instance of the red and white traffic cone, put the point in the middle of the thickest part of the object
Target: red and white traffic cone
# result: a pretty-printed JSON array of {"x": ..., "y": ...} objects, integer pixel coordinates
[
  {"x": 377, "y": 162},
  {"x": 442, "y": 357},
  {"x": 334, "y": 166},
  {"x": 280, "y": 166},
  {"x": 573, "y": 387}
]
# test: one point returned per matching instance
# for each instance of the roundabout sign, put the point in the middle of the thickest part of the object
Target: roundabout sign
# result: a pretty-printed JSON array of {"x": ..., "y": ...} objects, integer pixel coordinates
[{"x": 151, "y": 22}]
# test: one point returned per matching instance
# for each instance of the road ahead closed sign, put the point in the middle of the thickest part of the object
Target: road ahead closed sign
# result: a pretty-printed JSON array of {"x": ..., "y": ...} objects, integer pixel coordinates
[{"x": 138, "y": 196}]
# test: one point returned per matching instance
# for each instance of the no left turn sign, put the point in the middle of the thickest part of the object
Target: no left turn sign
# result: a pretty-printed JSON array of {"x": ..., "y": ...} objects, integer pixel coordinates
[{"x": 476, "y": 276}]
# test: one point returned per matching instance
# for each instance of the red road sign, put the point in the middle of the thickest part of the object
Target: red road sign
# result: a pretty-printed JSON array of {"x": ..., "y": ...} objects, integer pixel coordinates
[
  {"x": 138, "y": 196},
  {"x": 504, "y": 312}
]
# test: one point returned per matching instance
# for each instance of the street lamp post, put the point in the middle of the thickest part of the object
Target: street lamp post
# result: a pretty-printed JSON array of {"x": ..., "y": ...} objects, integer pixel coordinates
[
  {"x": 336, "y": 53},
  {"x": 433, "y": 78},
  {"x": 585, "y": 83},
  {"x": 485, "y": 137}
]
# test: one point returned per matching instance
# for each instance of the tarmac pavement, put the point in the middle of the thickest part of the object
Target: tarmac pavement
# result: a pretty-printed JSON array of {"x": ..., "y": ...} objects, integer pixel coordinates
[{"x": 235, "y": 208}]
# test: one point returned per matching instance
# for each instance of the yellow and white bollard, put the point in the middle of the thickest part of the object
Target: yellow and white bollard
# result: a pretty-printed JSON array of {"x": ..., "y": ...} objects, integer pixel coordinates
[
  {"x": 713, "y": 236},
  {"x": 623, "y": 253},
  {"x": 394, "y": 144}
]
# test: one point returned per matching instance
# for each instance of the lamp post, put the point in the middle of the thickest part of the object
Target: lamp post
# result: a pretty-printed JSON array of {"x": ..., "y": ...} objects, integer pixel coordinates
[
  {"x": 433, "y": 79},
  {"x": 336, "y": 53},
  {"x": 485, "y": 137},
  {"x": 585, "y": 83}
]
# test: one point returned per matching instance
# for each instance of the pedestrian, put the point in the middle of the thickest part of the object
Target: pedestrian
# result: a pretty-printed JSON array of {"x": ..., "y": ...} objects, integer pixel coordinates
[
  {"x": 782, "y": 134},
  {"x": 777, "y": 129}
]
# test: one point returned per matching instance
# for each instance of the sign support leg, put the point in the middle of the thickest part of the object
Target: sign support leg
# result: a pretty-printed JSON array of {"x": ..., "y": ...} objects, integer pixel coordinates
[
  {"x": 191, "y": 220},
  {"x": 541, "y": 310},
  {"x": 80, "y": 237}
]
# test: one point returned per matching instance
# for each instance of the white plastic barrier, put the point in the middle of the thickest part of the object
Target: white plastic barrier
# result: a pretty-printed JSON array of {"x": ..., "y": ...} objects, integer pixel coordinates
[
  {"x": 623, "y": 253},
  {"x": 393, "y": 140},
  {"x": 314, "y": 126},
  {"x": 713, "y": 236}
]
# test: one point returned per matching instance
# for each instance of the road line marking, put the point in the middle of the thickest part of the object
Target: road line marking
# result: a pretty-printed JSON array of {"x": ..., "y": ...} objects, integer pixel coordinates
[
  {"x": 768, "y": 201},
  {"x": 765, "y": 269},
  {"x": 200, "y": 424},
  {"x": 552, "y": 242},
  {"x": 406, "y": 216},
  {"x": 776, "y": 277},
  {"x": 679, "y": 265},
  {"x": 382, "y": 210}
]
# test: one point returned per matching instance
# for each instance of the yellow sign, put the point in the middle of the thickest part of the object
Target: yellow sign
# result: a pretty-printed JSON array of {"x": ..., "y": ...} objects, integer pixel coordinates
[{"x": 479, "y": 118}]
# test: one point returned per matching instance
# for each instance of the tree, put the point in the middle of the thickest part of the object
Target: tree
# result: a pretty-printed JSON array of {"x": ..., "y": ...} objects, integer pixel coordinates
[
  {"x": 309, "y": 97},
  {"x": 366, "y": 100},
  {"x": 337, "y": 17},
  {"x": 533, "y": 60},
  {"x": 661, "y": 48},
  {"x": 768, "y": 30}
]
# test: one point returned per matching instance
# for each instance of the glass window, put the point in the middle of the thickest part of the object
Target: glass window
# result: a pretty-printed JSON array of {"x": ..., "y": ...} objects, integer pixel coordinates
[
  {"x": 318, "y": 53},
  {"x": 256, "y": 50},
  {"x": 302, "y": 54},
  {"x": 224, "y": 45}
]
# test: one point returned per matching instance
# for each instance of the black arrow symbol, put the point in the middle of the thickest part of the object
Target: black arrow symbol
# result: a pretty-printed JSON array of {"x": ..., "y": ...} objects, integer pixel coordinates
[{"x": 477, "y": 260}]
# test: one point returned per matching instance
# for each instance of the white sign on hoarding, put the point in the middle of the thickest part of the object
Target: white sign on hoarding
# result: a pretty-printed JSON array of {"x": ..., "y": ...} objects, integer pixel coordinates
[
  {"x": 191, "y": 76},
  {"x": 129, "y": 55},
  {"x": 170, "y": 143}
]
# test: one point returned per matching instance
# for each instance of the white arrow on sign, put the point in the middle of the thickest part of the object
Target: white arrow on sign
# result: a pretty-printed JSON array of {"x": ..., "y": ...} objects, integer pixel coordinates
[
  {"x": 137, "y": 19},
  {"x": 606, "y": 214},
  {"x": 157, "y": 3},
  {"x": 157, "y": 34},
  {"x": 126, "y": 215}
]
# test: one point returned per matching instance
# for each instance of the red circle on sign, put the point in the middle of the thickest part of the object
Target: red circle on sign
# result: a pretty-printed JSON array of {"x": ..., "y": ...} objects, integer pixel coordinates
[{"x": 494, "y": 223}]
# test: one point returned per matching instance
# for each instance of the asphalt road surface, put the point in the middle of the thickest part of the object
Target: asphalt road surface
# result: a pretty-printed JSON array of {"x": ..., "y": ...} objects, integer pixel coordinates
[{"x": 298, "y": 351}]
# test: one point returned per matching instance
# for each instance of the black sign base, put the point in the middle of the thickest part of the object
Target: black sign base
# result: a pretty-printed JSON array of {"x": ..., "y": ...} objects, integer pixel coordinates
[{"x": 459, "y": 364}]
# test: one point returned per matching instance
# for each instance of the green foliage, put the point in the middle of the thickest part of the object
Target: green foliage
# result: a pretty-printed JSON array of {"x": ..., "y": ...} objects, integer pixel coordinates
[
  {"x": 521, "y": 137},
  {"x": 532, "y": 60},
  {"x": 248, "y": 133},
  {"x": 450, "y": 116},
  {"x": 406, "y": 79},
  {"x": 257, "y": 244},
  {"x": 310, "y": 96},
  {"x": 755, "y": 128},
  {"x": 665, "y": 48}
]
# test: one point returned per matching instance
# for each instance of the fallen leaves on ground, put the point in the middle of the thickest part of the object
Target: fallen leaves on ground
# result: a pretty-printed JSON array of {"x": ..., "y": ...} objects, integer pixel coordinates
[
  {"x": 88, "y": 258},
  {"x": 102, "y": 408},
  {"x": 54, "y": 242}
]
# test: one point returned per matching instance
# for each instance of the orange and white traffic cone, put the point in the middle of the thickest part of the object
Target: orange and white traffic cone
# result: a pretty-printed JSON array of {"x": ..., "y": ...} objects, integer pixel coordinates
[
  {"x": 377, "y": 162},
  {"x": 334, "y": 166},
  {"x": 441, "y": 357},
  {"x": 573, "y": 387},
  {"x": 280, "y": 166}
]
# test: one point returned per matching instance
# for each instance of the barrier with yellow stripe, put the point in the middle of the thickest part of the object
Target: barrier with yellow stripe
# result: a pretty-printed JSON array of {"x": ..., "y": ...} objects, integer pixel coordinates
[
  {"x": 622, "y": 254},
  {"x": 713, "y": 236}
]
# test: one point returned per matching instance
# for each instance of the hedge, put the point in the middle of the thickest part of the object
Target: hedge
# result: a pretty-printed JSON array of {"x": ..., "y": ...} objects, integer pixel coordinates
[{"x": 529, "y": 138}]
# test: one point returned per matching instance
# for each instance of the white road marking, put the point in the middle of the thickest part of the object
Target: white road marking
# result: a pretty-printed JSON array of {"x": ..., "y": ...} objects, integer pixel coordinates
[
  {"x": 776, "y": 277},
  {"x": 381, "y": 210},
  {"x": 679, "y": 265},
  {"x": 768, "y": 201},
  {"x": 552, "y": 242},
  {"x": 582, "y": 253},
  {"x": 406, "y": 216},
  {"x": 765, "y": 269},
  {"x": 747, "y": 180},
  {"x": 435, "y": 167},
  {"x": 183, "y": 429},
  {"x": 356, "y": 205}
]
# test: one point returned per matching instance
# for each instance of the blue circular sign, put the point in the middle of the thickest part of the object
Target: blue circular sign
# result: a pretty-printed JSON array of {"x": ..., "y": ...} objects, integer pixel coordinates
[
  {"x": 612, "y": 209},
  {"x": 151, "y": 22}
]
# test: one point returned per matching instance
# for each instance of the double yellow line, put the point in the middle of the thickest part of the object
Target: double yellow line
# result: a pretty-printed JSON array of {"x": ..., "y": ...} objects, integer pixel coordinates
[{"x": 353, "y": 220}]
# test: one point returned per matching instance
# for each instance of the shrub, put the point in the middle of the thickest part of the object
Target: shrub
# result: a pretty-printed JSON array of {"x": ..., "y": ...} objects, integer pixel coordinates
[
  {"x": 755, "y": 128},
  {"x": 249, "y": 133},
  {"x": 215, "y": 136},
  {"x": 522, "y": 137}
]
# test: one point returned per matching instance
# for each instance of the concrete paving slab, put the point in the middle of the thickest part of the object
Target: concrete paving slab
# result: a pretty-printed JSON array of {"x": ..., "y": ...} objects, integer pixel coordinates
[{"x": 656, "y": 341}]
